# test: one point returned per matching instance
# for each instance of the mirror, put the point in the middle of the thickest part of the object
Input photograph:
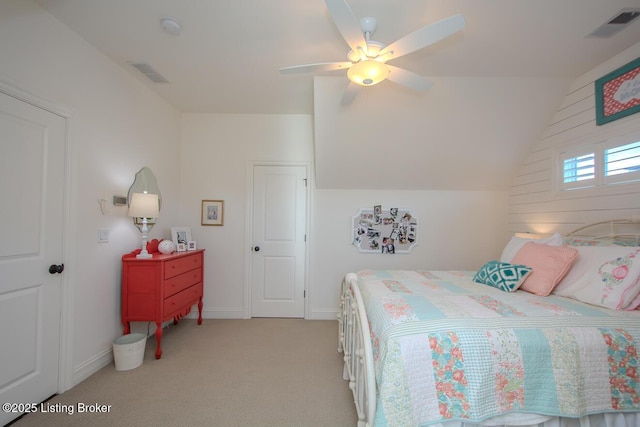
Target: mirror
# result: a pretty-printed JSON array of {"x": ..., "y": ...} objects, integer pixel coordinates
[{"x": 145, "y": 182}]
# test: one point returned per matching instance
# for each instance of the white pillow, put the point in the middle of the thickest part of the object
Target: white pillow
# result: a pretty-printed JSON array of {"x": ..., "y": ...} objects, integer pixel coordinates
[
  {"x": 516, "y": 243},
  {"x": 608, "y": 276}
]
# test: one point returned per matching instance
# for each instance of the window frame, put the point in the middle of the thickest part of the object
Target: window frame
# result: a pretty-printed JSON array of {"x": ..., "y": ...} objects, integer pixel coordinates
[
  {"x": 573, "y": 154},
  {"x": 620, "y": 178},
  {"x": 600, "y": 180}
]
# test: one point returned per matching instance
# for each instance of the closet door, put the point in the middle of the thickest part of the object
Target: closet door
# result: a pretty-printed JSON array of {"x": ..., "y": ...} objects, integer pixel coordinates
[
  {"x": 279, "y": 241},
  {"x": 32, "y": 168}
]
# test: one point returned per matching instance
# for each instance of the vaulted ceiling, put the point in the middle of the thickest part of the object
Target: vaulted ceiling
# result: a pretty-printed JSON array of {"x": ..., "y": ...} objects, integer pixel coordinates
[
  {"x": 227, "y": 56},
  {"x": 228, "y": 53}
]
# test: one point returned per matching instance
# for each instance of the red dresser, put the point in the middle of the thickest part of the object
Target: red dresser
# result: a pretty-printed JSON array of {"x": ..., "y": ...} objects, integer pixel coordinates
[{"x": 161, "y": 288}]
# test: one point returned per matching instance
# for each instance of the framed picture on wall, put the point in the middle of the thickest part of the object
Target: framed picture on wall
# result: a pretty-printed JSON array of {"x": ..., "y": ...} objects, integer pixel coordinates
[
  {"x": 380, "y": 231},
  {"x": 212, "y": 212},
  {"x": 618, "y": 93}
]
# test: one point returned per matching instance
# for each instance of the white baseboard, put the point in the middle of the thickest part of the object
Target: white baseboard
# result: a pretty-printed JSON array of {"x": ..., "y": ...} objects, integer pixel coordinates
[
  {"x": 323, "y": 314},
  {"x": 211, "y": 313},
  {"x": 92, "y": 366},
  {"x": 238, "y": 313}
]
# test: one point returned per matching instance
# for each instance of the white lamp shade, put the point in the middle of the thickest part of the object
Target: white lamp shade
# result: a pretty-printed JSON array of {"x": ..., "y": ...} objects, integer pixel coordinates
[{"x": 144, "y": 205}]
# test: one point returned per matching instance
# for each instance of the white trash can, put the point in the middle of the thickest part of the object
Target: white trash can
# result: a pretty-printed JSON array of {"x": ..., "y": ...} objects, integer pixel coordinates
[{"x": 128, "y": 351}]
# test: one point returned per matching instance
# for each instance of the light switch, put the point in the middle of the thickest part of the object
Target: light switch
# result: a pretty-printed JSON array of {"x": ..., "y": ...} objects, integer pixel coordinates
[{"x": 103, "y": 235}]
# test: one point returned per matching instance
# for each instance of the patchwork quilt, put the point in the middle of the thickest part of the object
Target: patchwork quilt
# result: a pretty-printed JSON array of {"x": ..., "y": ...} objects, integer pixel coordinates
[{"x": 447, "y": 348}]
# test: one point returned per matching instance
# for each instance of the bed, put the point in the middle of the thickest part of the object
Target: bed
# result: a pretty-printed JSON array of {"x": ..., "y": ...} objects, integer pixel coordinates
[{"x": 546, "y": 336}]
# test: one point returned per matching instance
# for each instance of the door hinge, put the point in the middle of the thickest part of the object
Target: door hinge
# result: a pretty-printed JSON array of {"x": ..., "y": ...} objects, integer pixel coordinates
[
  {"x": 305, "y": 237},
  {"x": 304, "y": 294},
  {"x": 305, "y": 181}
]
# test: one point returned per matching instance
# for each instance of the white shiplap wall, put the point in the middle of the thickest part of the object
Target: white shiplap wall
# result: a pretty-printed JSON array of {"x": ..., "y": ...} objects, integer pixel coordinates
[{"x": 535, "y": 204}]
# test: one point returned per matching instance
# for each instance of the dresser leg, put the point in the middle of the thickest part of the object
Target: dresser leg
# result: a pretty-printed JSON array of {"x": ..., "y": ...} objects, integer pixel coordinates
[
  {"x": 126, "y": 328},
  {"x": 200, "y": 311},
  {"x": 158, "y": 340}
]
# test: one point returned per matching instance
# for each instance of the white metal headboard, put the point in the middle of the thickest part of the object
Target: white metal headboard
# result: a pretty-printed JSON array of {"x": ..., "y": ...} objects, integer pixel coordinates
[{"x": 623, "y": 230}]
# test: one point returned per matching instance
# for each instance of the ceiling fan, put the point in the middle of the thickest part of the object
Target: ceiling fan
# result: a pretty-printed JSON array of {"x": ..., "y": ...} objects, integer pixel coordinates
[{"x": 367, "y": 60}]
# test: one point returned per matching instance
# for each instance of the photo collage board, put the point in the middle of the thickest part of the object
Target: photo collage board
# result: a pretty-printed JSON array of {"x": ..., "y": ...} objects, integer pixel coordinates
[{"x": 386, "y": 231}]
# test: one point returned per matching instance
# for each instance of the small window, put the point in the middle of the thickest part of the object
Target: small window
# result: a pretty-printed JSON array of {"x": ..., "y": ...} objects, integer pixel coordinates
[
  {"x": 622, "y": 163},
  {"x": 603, "y": 163},
  {"x": 579, "y": 171}
]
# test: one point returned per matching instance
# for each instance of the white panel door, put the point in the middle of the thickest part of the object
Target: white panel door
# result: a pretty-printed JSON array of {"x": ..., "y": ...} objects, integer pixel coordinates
[
  {"x": 279, "y": 248},
  {"x": 32, "y": 153}
]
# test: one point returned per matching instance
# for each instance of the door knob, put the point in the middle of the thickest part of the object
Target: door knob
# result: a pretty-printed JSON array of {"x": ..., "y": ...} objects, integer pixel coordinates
[
  {"x": 53, "y": 269},
  {"x": 257, "y": 249}
]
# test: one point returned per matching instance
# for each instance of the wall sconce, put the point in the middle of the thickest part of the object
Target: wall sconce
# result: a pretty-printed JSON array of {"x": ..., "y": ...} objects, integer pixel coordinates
[{"x": 145, "y": 206}]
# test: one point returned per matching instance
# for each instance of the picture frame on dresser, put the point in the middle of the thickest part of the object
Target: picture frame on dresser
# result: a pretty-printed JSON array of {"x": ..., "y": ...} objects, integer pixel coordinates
[{"x": 180, "y": 235}]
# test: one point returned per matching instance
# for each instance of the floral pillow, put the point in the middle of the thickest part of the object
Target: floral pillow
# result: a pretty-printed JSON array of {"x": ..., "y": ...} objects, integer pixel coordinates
[
  {"x": 608, "y": 276},
  {"x": 502, "y": 275}
]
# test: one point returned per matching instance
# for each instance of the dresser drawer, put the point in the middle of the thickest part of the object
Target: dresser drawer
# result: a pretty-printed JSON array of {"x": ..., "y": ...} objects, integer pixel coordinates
[
  {"x": 182, "y": 299},
  {"x": 180, "y": 265},
  {"x": 182, "y": 281}
]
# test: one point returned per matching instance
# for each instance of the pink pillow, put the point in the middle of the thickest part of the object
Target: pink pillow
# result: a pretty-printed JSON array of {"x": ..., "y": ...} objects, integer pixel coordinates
[
  {"x": 549, "y": 264},
  {"x": 516, "y": 243}
]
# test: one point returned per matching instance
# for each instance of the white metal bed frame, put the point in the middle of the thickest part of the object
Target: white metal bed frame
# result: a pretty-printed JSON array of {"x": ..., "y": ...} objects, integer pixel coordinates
[
  {"x": 354, "y": 336},
  {"x": 354, "y": 341},
  {"x": 616, "y": 229}
]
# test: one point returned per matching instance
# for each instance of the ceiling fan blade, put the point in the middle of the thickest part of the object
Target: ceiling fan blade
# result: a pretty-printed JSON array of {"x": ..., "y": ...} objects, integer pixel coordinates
[
  {"x": 407, "y": 78},
  {"x": 312, "y": 68},
  {"x": 347, "y": 24},
  {"x": 423, "y": 37},
  {"x": 349, "y": 93}
]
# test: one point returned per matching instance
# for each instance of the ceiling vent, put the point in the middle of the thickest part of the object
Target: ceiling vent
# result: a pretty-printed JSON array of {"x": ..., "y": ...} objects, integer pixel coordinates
[
  {"x": 150, "y": 72},
  {"x": 619, "y": 21}
]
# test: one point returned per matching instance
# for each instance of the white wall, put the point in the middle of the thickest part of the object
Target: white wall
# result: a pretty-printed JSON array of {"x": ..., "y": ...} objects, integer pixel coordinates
[
  {"x": 534, "y": 204},
  {"x": 464, "y": 133},
  {"x": 216, "y": 152},
  {"x": 116, "y": 127},
  {"x": 458, "y": 229}
]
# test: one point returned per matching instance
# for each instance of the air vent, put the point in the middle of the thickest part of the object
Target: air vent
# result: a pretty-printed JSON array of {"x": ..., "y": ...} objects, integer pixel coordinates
[
  {"x": 619, "y": 21},
  {"x": 150, "y": 72}
]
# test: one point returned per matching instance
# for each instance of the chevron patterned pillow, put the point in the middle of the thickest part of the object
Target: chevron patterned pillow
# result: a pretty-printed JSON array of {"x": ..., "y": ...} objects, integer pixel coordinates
[{"x": 502, "y": 275}]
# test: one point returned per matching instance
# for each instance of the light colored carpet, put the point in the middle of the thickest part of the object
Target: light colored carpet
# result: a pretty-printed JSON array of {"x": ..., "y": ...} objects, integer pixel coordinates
[{"x": 226, "y": 373}]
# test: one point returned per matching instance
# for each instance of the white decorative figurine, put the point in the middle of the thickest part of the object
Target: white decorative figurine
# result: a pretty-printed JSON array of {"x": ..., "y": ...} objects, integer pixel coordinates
[{"x": 166, "y": 247}]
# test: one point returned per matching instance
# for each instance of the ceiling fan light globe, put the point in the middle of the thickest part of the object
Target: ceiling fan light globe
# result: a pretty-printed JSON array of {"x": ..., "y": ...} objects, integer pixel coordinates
[{"x": 368, "y": 73}]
